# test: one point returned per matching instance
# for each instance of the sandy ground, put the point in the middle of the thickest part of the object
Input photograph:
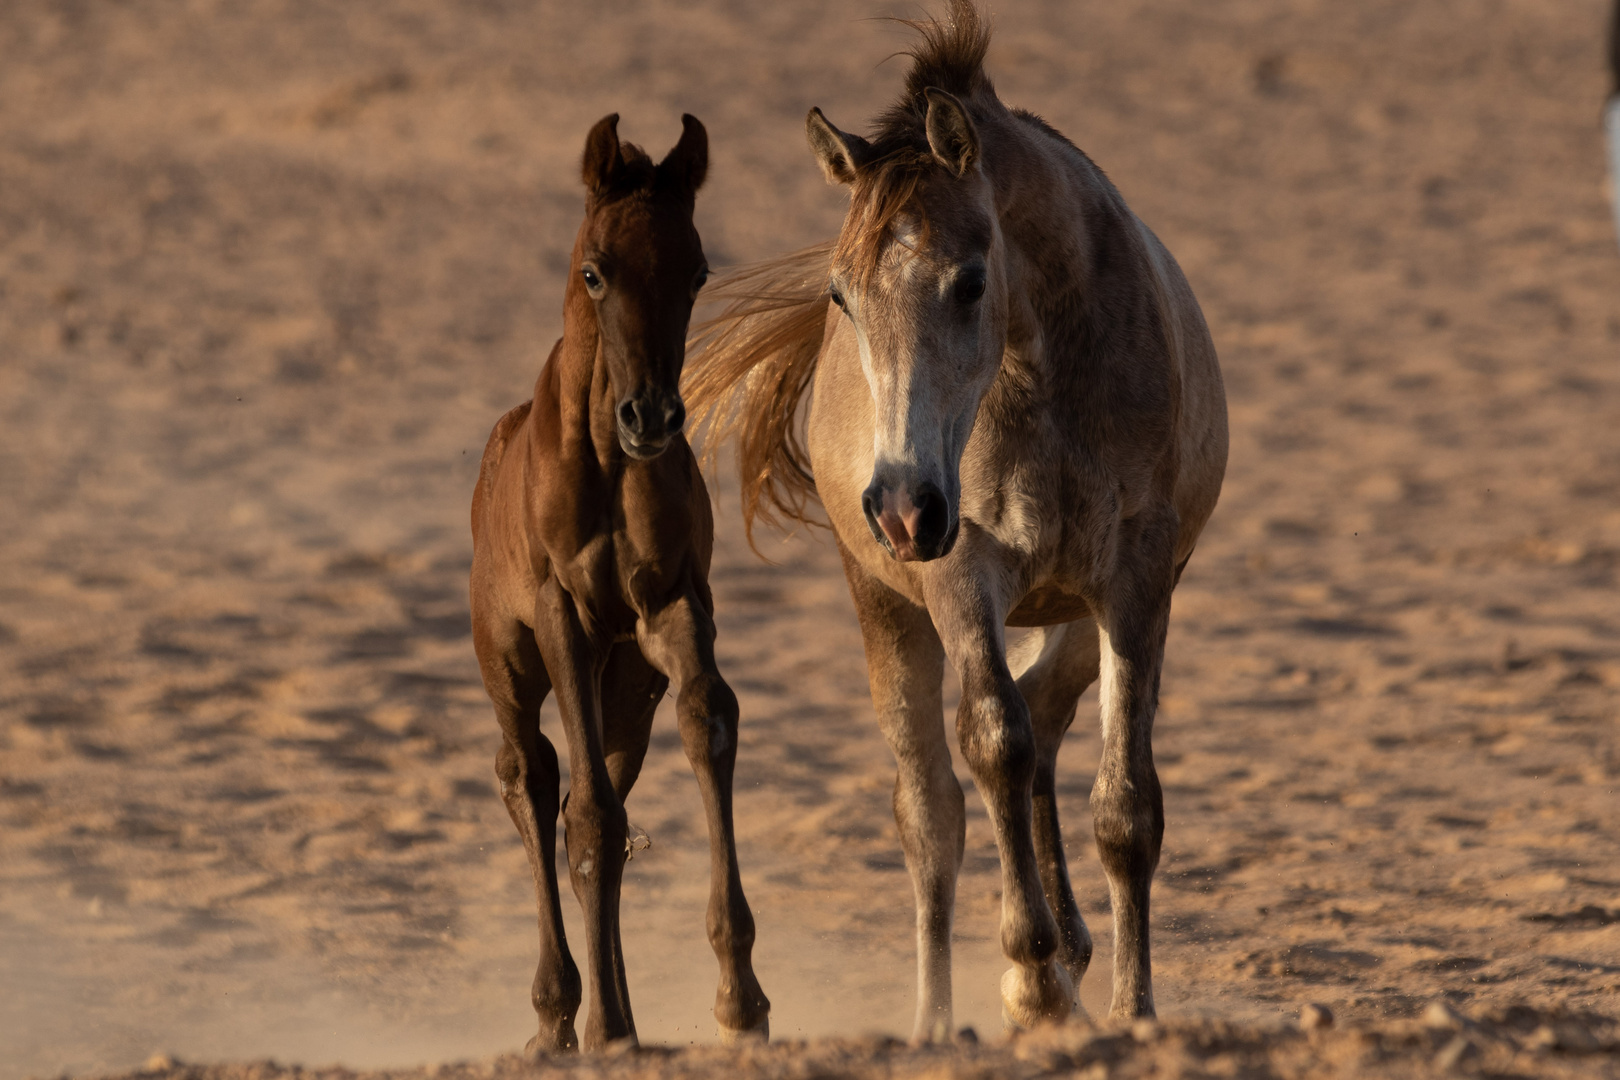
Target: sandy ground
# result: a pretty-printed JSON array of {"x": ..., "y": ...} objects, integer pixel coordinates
[{"x": 270, "y": 269}]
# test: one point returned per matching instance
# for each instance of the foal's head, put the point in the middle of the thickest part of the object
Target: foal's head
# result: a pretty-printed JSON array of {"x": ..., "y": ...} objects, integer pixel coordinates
[
  {"x": 640, "y": 261},
  {"x": 919, "y": 272}
]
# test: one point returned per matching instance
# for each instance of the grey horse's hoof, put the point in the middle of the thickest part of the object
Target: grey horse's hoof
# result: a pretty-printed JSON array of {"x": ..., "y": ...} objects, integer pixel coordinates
[
  {"x": 1034, "y": 996},
  {"x": 561, "y": 1041},
  {"x": 759, "y": 1033}
]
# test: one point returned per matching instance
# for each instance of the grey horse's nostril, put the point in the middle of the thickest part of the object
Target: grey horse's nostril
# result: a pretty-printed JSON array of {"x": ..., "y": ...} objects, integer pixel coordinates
[
  {"x": 870, "y": 501},
  {"x": 933, "y": 516}
]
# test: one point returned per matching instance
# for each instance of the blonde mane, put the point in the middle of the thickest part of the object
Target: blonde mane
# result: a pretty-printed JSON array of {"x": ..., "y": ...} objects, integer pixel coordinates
[{"x": 747, "y": 372}]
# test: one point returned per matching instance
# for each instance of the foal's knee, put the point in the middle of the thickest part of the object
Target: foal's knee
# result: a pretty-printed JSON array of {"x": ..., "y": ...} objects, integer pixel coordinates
[
  {"x": 708, "y": 719},
  {"x": 597, "y": 828},
  {"x": 508, "y": 768}
]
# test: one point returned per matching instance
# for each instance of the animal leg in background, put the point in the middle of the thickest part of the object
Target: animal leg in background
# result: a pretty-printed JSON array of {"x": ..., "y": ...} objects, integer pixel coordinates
[{"x": 679, "y": 641}]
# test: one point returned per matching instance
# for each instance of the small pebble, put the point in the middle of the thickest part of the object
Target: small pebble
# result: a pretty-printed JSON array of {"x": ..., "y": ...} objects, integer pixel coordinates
[
  {"x": 1314, "y": 1017},
  {"x": 1443, "y": 1017}
]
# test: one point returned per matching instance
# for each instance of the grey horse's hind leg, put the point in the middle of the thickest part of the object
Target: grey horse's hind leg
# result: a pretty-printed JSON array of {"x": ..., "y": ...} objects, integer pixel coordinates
[
  {"x": 1127, "y": 805},
  {"x": 1053, "y": 666},
  {"x": 905, "y": 663}
]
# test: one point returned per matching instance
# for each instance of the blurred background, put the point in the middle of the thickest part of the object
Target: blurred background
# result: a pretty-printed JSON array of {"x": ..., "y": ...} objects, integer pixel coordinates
[{"x": 271, "y": 269}]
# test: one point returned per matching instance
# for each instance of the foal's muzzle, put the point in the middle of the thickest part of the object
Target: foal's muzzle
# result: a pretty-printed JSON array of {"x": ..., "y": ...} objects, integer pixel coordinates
[
  {"x": 914, "y": 522},
  {"x": 648, "y": 419}
]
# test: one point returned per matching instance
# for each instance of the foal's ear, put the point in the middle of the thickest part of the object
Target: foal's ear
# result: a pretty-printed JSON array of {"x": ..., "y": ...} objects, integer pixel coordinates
[
  {"x": 951, "y": 134},
  {"x": 602, "y": 157},
  {"x": 839, "y": 152},
  {"x": 685, "y": 166}
]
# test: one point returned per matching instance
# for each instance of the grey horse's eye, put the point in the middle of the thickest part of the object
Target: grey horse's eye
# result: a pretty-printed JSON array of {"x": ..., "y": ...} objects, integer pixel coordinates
[
  {"x": 836, "y": 296},
  {"x": 970, "y": 286}
]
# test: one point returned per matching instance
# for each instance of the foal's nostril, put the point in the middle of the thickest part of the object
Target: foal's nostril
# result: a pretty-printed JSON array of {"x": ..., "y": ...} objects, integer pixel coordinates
[
  {"x": 675, "y": 416},
  {"x": 628, "y": 417}
]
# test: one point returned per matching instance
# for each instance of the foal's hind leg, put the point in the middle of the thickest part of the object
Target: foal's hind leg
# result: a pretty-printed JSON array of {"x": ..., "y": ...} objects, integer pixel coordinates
[
  {"x": 526, "y": 769},
  {"x": 679, "y": 640},
  {"x": 905, "y": 664},
  {"x": 631, "y": 690},
  {"x": 1053, "y": 666}
]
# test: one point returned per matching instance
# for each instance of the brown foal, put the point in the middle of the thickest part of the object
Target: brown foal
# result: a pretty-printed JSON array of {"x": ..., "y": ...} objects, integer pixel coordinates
[{"x": 592, "y": 536}]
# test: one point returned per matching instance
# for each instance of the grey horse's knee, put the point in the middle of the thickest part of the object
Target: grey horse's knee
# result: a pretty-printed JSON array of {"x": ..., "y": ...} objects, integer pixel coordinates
[
  {"x": 1128, "y": 819},
  {"x": 997, "y": 741}
]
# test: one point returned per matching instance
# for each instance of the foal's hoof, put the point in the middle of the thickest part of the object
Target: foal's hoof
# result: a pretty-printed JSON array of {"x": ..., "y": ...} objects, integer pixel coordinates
[
  {"x": 1031, "y": 996},
  {"x": 759, "y": 1033}
]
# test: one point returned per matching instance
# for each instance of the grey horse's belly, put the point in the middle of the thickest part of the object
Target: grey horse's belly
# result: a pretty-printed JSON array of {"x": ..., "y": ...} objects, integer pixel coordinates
[{"x": 1048, "y": 605}]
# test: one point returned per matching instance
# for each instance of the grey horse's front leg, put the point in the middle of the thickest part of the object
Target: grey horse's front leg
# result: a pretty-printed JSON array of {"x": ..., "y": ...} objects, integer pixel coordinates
[
  {"x": 679, "y": 641},
  {"x": 905, "y": 665},
  {"x": 1053, "y": 666},
  {"x": 997, "y": 738},
  {"x": 1127, "y": 805}
]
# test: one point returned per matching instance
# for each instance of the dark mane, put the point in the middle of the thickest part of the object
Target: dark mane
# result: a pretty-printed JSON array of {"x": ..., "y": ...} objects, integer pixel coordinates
[{"x": 635, "y": 174}]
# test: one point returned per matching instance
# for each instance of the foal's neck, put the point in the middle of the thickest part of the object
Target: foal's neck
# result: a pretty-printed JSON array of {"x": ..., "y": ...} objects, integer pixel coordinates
[{"x": 585, "y": 399}]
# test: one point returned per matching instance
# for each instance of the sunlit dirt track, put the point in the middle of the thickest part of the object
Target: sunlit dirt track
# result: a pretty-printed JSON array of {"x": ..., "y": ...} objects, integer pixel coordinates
[{"x": 270, "y": 270}]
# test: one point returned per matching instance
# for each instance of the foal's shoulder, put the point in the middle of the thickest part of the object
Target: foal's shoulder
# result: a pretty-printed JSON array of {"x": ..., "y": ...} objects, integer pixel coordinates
[{"x": 499, "y": 437}]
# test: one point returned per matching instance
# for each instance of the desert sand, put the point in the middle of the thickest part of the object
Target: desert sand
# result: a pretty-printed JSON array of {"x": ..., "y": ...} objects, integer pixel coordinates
[{"x": 270, "y": 270}]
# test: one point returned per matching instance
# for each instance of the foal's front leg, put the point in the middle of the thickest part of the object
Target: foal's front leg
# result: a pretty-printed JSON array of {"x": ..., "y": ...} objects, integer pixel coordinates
[
  {"x": 679, "y": 641},
  {"x": 594, "y": 816}
]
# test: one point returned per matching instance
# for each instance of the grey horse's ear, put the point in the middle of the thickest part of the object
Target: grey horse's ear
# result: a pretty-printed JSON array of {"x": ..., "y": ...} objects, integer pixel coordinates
[
  {"x": 951, "y": 134},
  {"x": 839, "y": 152}
]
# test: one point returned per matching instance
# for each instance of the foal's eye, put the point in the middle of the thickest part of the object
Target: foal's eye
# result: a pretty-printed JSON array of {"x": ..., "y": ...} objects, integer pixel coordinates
[
  {"x": 699, "y": 281},
  {"x": 970, "y": 286},
  {"x": 593, "y": 280}
]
